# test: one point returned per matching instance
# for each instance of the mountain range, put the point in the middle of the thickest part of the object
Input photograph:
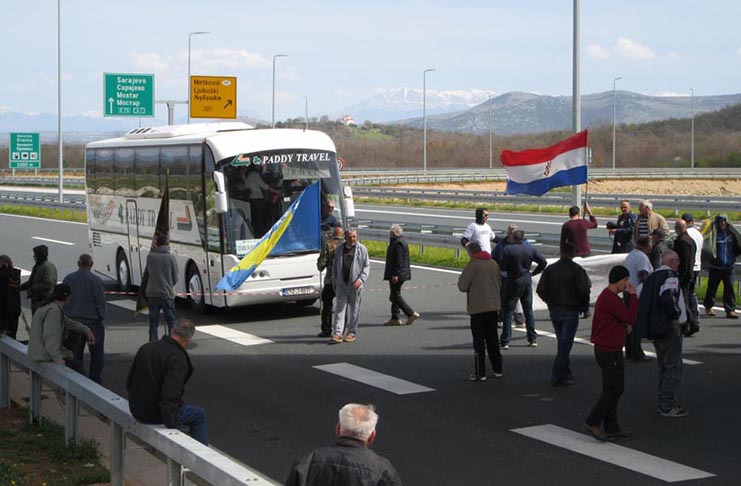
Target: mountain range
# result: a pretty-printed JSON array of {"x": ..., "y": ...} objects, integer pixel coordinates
[{"x": 459, "y": 111}]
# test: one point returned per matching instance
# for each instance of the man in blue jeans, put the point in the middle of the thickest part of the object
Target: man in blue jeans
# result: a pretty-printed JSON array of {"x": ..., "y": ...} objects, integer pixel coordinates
[
  {"x": 86, "y": 304},
  {"x": 157, "y": 380},
  {"x": 564, "y": 286},
  {"x": 516, "y": 261},
  {"x": 162, "y": 268}
]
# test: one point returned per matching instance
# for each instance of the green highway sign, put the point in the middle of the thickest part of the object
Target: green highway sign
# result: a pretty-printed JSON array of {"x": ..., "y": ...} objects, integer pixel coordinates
[
  {"x": 129, "y": 94},
  {"x": 25, "y": 151}
]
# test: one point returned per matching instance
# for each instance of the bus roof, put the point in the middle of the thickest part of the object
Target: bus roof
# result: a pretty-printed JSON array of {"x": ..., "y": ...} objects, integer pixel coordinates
[{"x": 226, "y": 139}]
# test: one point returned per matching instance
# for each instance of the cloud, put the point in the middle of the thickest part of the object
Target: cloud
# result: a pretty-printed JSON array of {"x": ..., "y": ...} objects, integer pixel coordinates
[
  {"x": 230, "y": 59},
  {"x": 630, "y": 49},
  {"x": 150, "y": 62},
  {"x": 596, "y": 51},
  {"x": 673, "y": 56},
  {"x": 671, "y": 94},
  {"x": 624, "y": 48}
]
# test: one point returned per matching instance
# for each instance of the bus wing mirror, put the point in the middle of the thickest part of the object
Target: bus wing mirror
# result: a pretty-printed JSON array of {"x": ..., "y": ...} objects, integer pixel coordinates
[
  {"x": 220, "y": 195},
  {"x": 349, "y": 202}
]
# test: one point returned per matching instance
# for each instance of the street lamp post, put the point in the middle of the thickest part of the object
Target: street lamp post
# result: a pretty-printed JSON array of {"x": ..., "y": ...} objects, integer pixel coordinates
[
  {"x": 306, "y": 112},
  {"x": 424, "y": 117},
  {"x": 273, "y": 105},
  {"x": 59, "y": 101},
  {"x": 490, "y": 156},
  {"x": 191, "y": 34},
  {"x": 614, "y": 81},
  {"x": 692, "y": 137}
]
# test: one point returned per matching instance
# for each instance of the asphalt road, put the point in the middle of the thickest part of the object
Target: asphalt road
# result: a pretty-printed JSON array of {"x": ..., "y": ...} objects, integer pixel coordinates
[{"x": 268, "y": 404}]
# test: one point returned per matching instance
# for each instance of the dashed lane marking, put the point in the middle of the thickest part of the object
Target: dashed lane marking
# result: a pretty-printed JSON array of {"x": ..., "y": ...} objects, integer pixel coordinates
[
  {"x": 233, "y": 335},
  {"x": 624, "y": 457},
  {"x": 374, "y": 378}
]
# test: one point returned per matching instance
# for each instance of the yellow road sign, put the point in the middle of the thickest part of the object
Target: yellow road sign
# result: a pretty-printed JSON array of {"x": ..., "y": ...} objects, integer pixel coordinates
[{"x": 213, "y": 97}]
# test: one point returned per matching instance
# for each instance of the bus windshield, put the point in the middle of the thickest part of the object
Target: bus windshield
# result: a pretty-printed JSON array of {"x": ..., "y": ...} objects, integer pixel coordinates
[{"x": 261, "y": 186}]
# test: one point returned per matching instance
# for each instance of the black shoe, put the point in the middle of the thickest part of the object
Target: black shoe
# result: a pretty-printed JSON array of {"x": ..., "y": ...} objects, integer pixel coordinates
[
  {"x": 586, "y": 314},
  {"x": 566, "y": 381},
  {"x": 692, "y": 330},
  {"x": 642, "y": 359},
  {"x": 324, "y": 334}
]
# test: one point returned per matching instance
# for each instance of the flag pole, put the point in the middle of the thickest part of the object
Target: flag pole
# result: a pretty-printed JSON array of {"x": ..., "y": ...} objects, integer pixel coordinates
[{"x": 586, "y": 185}]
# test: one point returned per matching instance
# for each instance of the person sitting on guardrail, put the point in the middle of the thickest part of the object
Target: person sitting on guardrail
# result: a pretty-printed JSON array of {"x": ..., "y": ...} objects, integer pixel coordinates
[
  {"x": 156, "y": 383},
  {"x": 479, "y": 231},
  {"x": 725, "y": 245},
  {"x": 349, "y": 461},
  {"x": 40, "y": 284},
  {"x": 50, "y": 332}
]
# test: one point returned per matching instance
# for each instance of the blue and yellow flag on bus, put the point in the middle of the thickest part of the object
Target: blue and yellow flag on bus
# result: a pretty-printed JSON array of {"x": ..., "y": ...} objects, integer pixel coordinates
[{"x": 297, "y": 230}]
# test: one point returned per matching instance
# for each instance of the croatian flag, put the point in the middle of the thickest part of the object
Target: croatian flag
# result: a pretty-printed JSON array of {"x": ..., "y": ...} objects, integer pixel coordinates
[{"x": 537, "y": 171}]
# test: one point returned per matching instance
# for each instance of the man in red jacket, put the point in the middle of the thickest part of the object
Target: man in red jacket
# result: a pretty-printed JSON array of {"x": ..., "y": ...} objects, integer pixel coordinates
[{"x": 612, "y": 317}]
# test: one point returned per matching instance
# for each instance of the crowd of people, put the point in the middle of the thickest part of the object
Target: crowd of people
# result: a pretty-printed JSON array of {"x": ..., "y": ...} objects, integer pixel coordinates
[{"x": 651, "y": 295}]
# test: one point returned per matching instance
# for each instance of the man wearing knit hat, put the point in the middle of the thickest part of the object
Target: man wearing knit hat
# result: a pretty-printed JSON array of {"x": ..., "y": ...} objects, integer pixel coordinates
[{"x": 613, "y": 317}]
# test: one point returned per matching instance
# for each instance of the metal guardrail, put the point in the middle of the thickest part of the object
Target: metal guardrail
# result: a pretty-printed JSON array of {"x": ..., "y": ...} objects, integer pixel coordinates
[{"x": 180, "y": 449}]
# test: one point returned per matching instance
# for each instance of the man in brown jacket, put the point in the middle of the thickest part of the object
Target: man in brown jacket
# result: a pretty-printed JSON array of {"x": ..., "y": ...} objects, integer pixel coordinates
[{"x": 481, "y": 281}]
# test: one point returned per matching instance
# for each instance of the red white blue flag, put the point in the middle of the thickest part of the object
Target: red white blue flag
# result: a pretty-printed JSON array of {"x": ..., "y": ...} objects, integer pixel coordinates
[{"x": 537, "y": 171}]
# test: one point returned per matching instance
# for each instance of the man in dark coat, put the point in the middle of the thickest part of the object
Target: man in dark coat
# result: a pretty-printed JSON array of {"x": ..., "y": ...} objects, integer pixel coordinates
[
  {"x": 397, "y": 271},
  {"x": 157, "y": 380},
  {"x": 40, "y": 285},
  {"x": 622, "y": 230},
  {"x": 10, "y": 296},
  {"x": 349, "y": 461},
  {"x": 685, "y": 247}
]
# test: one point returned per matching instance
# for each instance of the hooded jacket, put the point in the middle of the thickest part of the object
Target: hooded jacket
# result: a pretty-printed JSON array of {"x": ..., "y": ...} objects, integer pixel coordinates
[
  {"x": 40, "y": 284},
  {"x": 732, "y": 238},
  {"x": 49, "y": 330}
]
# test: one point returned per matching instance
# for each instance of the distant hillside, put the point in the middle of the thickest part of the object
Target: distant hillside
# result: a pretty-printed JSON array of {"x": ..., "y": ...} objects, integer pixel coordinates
[{"x": 531, "y": 113}]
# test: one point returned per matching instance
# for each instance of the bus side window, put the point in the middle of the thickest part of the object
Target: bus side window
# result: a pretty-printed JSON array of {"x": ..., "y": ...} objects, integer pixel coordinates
[
  {"x": 90, "y": 171},
  {"x": 147, "y": 168},
  {"x": 123, "y": 171}
]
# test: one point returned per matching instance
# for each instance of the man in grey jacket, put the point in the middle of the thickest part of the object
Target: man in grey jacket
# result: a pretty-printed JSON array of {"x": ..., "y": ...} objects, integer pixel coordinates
[
  {"x": 50, "y": 329},
  {"x": 349, "y": 273},
  {"x": 163, "y": 275}
]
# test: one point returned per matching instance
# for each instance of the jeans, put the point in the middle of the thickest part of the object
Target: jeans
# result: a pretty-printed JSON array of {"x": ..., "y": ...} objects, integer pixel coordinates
[
  {"x": 195, "y": 418},
  {"x": 613, "y": 384},
  {"x": 97, "y": 355},
  {"x": 168, "y": 308},
  {"x": 398, "y": 304},
  {"x": 692, "y": 309},
  {"x": 327, "y": 299},
  {"x": 564, "y": 324},
  {"x": 484, "y": 332},
  {"x": 715, "y": 276},
  {"x": 522, "y": 290},
  {"x": 669, "y": 359}
]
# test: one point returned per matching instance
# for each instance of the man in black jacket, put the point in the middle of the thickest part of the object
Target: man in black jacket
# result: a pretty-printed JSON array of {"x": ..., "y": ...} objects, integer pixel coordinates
[
  {"x": 686, "y": 249},
  {"x": 565, "y": 287},
  {"x": 397, "y": 271},
  {"x": 157, "y": 380},
  {"x": 659, "y": 314},
  {"x": 349, "y": 461}
]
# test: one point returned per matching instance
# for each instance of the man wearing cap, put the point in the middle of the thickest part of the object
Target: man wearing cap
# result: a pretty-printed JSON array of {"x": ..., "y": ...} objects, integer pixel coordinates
[
  {"x": 50, "y": 329},
  {"x": 693, "y": 309},
  {"x": 648, "y": 221},
  {"x": 43, "y": 277},
  {"x": 613, "y": 318},
  {"x": 658, "y": 247}
]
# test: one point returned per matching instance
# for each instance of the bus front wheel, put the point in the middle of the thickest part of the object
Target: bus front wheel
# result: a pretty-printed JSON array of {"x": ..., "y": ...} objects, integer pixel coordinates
[
  {"x": 123, "y": 273},
  {"x": 196, "y": 299}
]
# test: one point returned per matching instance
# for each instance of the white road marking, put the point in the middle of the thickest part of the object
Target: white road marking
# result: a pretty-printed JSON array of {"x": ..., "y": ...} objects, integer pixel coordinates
[
  {"x": 630, "y": 459},
  {"x": 374, "y": 378},
  {"x": 52, "y": 241},
  {"x": 422, "y": 267},
  {"x": 233, "y": 335},
  {"x": 579, "y": 340}
]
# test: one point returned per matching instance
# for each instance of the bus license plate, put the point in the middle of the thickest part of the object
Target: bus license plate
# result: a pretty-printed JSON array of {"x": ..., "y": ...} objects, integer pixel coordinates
[{"x": 297, "y": 291}]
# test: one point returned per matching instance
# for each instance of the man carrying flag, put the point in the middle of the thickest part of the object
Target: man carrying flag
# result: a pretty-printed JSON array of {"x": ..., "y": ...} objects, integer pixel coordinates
[{"x": 537, "y": 171}]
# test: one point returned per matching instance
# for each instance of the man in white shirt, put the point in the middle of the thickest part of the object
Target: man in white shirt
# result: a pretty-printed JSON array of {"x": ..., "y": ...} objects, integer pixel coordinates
[
  {"x": 639, "y": 268},
  {"x": 479, "y": 231},
  {"x": 693, "y": 308}
]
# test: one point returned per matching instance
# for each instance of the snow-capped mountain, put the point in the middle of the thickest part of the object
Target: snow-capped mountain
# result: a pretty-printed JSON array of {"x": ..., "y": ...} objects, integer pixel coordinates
[{"x": 386, "y": 105}]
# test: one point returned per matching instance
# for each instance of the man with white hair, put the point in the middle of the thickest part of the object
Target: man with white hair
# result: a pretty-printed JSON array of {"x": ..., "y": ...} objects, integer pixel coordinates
[
  {"x": 348, "y": 462},
  {"x": 397, "y": 271},
  {"x": 648, "y": 221}
]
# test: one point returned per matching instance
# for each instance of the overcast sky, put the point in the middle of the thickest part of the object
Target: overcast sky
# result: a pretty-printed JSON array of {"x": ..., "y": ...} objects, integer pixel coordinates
[{"x": 340, "y": 51}]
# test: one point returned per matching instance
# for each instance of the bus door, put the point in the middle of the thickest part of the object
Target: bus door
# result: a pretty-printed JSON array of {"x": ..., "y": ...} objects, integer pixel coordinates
[{"x": 133, "y": 252}]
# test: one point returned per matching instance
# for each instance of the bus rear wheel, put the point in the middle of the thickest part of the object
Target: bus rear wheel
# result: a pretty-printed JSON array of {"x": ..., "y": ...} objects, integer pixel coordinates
[
  {"x": 196, "y": 299},
  {"x": 123, "y": 272}
]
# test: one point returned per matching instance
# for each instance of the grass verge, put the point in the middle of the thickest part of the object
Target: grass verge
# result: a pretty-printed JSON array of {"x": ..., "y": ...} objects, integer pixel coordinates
[
  {"x": 49, "y": 213},
  {"x": 36, "y": 455}
]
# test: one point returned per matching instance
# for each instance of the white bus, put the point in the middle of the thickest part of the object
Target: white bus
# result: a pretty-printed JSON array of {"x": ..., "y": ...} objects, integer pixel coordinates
[{"x": 228, "y": 184}]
